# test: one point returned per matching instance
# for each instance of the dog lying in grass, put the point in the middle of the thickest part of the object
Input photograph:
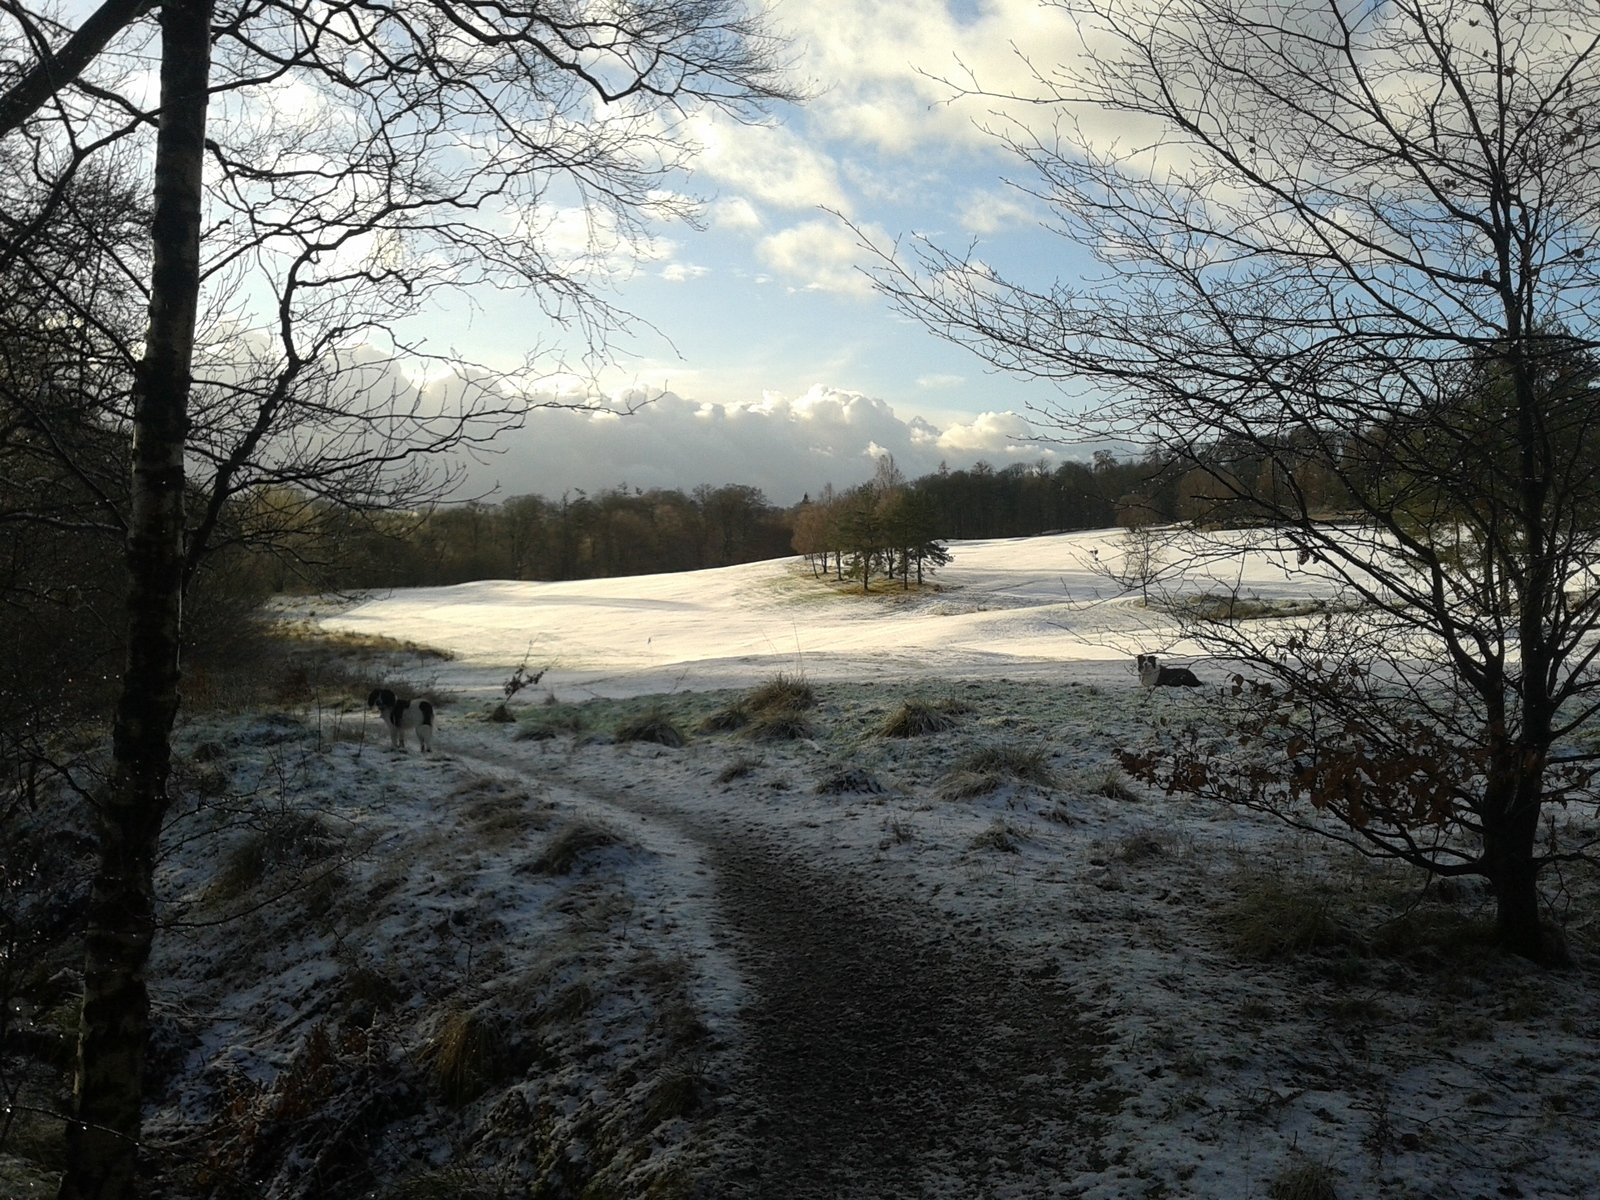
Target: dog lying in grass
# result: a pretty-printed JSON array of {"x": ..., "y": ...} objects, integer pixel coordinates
[
  {"x": 1153, "y": 675},
  {"x": 401, "y": 715}
]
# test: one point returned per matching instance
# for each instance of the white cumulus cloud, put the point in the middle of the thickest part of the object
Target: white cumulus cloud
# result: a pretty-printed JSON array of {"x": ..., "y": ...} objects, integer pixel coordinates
[
  {"x": 820, "y": 255},
  {"x": 785, "y": 446}
]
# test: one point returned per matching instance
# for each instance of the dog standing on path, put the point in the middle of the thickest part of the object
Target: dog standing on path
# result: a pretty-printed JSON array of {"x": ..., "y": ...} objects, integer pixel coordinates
[{"x": 401, "y": 715}]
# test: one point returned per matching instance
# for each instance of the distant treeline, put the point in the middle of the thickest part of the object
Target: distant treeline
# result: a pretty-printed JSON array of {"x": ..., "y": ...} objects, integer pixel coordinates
[
  {"x": 633, "y": 531},
  {"x": 887, "y": 525}
]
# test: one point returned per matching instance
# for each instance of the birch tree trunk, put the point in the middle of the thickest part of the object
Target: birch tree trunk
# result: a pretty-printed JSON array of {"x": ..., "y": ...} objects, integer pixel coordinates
[{"x": 103, "y": 1136}]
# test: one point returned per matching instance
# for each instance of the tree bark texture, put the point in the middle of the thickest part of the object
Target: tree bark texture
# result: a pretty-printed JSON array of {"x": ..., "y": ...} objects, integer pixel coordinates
[
  {"x": 104, "y": 1133},
  {"x": 1510, "y": 844}
]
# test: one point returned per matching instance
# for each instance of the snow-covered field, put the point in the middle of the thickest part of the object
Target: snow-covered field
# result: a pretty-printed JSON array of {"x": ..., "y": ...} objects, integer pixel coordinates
[
  {"x": 1041, "y": 608},
  {"x": 540, "y": 885}
]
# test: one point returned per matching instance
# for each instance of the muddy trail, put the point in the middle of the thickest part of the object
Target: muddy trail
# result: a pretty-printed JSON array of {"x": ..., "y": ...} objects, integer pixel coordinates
[
  {"x": 892, "y": 1056},
  {"x": 889, "y": 1052}
]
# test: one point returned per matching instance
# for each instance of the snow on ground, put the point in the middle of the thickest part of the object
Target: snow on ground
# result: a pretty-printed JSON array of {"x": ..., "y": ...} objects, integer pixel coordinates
[
  {"x": 1388, "y": 1058},
  {"x": 1017, "y": 606}
]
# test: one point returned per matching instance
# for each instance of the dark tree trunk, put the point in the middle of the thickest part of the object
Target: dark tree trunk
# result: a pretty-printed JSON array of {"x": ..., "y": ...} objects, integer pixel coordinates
[
  {"x": 1510, "y": 837},
  {"x": 103, "y": 1136}
]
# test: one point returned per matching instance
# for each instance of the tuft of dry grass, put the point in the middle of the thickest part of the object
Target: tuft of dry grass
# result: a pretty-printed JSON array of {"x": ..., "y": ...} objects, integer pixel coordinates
[
  {"x": 1109, "y": 782},
  {"x": 678, "y": 1093},
  {"x": 285, "y": 841},
  {"x": 1271, "y": 920},
  {"x": 727, "y": 720},
  {"x": 1001, "y": 836},
  {"x": 468, "y": 1055},
  {"x": 1436, "y": 935},
  {"x": 1144, "y": 845},
  {"x": 449, "y": 1183},
  {"x": 573, "y": 843},
  {"x": 779, "y": 726},
  {"x": 991, "y": 767},
  {"x": 654, "y": 725},
  {"x": 367, "y": 989},
  {"x": 848, "y": 780},
  {"x": 917, "y": 718},
  {"x": 552, "y": 722},
  {"x": 738, "y": 769},
  {"x": 1304, "y": 1179},
  {"x": 782, "y": 693}
]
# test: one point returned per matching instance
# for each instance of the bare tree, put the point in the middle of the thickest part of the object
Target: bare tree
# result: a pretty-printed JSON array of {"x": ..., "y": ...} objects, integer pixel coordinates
[
  {"x": 321, "y": 173},
  {"x": 1324, "y": 229}
]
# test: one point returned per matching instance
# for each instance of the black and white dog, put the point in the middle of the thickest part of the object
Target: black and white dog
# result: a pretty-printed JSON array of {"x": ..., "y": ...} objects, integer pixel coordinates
[
  {"x": 401, "y": 715},
  {"x": 1153, "y": 675}
]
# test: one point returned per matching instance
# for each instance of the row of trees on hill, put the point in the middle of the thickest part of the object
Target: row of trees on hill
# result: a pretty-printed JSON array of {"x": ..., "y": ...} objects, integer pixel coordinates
[
  {"x": 617, "y": 531},
  {"x": 883, "y": 527},
  {"x": 631, "y": 531}
]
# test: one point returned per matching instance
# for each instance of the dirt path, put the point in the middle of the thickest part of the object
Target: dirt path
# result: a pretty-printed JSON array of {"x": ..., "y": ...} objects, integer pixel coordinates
[
  {"x": 892, "y": 1057},
  {"x": 889, "y": 1054}
]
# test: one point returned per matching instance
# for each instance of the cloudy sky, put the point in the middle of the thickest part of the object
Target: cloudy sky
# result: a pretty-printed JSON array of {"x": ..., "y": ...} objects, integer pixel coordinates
[{"x": 769, "y": 358}]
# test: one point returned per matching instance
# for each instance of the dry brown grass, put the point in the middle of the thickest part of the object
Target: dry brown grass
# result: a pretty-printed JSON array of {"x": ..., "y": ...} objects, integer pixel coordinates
[
  {"x": 655, "y": 725},
  {"x": 917, "y": 718},
  {"x": 573, "y": 843},
  {"x": 782, "y": 693},
  {"x": 1272, "y": 919},
  {"x": 468, "y": 1055},
  {"x": 991, "y": 767}
]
